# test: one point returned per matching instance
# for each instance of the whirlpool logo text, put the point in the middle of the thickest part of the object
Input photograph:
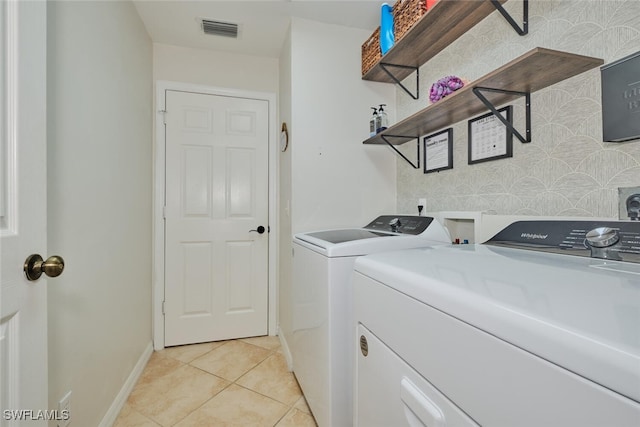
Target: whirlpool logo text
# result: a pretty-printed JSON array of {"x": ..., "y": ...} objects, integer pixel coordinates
[{"x": 534, "y": 236}]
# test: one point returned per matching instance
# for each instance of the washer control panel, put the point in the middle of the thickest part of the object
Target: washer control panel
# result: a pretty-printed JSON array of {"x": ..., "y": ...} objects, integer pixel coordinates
[
  {"x": 616, "y": 240},
  {"x": 402, "y": 224}
]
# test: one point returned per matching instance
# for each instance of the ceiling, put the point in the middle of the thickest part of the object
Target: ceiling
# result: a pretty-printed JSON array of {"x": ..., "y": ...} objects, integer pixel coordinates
[{"x": 262, "y": 24}]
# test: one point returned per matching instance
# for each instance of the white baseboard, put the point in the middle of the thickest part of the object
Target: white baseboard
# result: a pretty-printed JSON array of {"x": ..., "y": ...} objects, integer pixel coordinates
[{"x": 115, "y": 408}]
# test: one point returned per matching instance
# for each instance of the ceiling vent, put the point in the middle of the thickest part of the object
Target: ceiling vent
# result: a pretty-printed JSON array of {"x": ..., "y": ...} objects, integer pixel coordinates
[{"x": 217, "y": 28}]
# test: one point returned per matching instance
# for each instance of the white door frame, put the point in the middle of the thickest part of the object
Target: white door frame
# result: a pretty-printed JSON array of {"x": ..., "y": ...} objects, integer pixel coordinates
[
  {"x": 23, "y": 140},
  {"x": 159, "y": 194}
]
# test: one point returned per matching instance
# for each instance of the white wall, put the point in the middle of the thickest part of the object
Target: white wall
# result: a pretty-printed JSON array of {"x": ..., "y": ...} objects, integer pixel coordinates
[
  {"x": 566, "y": 170},
  {"x": 328, "y": 178},
  {"x": 336, "y": 180},
  {"x": 99, "y": 201},
  {"x": 213, "y": 68}
]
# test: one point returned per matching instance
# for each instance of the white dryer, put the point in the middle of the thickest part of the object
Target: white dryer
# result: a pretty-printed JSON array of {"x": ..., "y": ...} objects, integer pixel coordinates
[
  {"x": 538, "y": 327},
  {"x": 322, "y": 305}
]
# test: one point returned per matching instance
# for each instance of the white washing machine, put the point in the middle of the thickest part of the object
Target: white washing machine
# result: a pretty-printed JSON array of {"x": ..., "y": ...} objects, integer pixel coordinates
[
  {"x": 322, "y": 299},
  {"x": 540, "y": 326}
]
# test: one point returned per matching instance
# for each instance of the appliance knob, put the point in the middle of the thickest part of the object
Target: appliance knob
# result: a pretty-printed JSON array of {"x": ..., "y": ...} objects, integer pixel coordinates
[
  {"x": 602, "y": 237},
  {"x": 395, "y": 223}
]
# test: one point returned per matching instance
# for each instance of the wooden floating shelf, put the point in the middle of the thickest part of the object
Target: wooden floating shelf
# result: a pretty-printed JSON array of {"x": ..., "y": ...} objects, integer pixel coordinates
[
  {"x": 535, "y": 70},
  {"x": 438, "y": 28}
]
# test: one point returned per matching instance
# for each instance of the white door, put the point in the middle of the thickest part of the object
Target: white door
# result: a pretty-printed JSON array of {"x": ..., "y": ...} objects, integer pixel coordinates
[
  {"x": 23, "y": 303},
  {"x": 216, "y": 278}
]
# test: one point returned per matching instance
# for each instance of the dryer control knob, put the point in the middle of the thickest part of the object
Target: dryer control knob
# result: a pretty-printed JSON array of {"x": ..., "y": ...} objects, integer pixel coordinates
[
  {"x": 602, "y": 237},
  {"x": 395, "y": 223}
]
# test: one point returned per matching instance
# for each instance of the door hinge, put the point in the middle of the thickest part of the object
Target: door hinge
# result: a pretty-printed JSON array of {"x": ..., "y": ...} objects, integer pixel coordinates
[
  {"x": 163, "y": 312},
  {"x": 164, "y": 212},
  {"x": 164, "y": 116}
]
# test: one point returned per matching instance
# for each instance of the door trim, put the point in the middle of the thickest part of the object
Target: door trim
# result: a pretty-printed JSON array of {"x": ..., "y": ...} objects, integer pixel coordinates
[{"x": 159, "y": 191}]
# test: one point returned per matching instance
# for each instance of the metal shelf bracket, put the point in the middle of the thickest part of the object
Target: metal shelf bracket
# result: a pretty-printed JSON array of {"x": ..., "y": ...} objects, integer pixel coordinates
[
  {"x": 477, "y": 92},
  {"x": 395, "y": 79},
  {"x": 417, "y": 138},
  {"x": 525, "y": 16}
]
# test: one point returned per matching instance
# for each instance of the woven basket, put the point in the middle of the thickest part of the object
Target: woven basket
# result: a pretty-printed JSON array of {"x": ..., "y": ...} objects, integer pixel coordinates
[
  {"x": 371, "y": 51},
  {"x": 405, "y": 14}
]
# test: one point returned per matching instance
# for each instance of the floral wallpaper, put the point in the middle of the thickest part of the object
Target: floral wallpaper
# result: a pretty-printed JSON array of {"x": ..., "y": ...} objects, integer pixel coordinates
[{"x": 567, "y": 170}]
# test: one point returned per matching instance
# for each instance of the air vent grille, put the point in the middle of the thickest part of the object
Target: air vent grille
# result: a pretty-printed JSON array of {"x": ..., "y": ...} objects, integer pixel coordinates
[{"x": 217, "y": 28}]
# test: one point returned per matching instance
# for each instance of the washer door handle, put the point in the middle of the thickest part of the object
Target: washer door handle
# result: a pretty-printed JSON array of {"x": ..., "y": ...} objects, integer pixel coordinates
[{"x": 419, "y": 407}]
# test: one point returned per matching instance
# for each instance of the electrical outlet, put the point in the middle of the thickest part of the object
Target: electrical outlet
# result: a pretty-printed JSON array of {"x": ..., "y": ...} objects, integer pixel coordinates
[
  {"x": 422, "y": 203},
  {"x": 64, "y": 410},
  {"x": 624, "y": 193}
]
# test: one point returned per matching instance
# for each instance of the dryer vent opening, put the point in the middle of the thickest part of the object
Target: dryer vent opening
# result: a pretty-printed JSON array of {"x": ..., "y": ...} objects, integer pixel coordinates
[{"x": 218, "y": 28}]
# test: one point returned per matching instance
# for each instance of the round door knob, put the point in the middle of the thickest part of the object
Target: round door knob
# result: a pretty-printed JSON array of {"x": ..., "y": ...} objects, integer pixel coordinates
[
  {"x": 602, "y": 237},
  {"x": 34, "y": 266}
]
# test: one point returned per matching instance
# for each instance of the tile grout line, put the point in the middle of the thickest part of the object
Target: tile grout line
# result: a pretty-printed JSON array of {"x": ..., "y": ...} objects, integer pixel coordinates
[{"x": 272, "y": 352}]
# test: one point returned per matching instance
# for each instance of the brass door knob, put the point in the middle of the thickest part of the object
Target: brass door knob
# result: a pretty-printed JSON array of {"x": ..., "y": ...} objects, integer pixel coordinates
[{"x": 34, "y": 266}]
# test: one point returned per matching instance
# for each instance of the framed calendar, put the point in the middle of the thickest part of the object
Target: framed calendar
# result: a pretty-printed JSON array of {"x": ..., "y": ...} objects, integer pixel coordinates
[{"x": 489, "y": 138}]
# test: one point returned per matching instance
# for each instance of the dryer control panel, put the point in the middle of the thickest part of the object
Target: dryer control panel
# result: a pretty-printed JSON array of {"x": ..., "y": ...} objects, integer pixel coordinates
[
  {"x": 404, "y": 224},
  {"x": 615, "y": 240}
]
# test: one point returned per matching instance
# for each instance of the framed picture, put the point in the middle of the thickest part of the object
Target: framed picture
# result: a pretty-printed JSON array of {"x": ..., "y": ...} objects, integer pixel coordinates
[
  {"x": 489, "y": 138},
  {"x": 438, "y": 151}
]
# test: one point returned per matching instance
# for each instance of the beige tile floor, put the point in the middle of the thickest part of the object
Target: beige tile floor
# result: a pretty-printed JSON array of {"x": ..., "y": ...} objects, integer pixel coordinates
[{"x": 241, "y": 382}]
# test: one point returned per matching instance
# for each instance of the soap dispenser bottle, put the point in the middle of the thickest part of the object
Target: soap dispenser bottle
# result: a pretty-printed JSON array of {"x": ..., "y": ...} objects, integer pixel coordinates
[
  {"x": 383, "y": 122},
  {"x": 373, "y": 122}
]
